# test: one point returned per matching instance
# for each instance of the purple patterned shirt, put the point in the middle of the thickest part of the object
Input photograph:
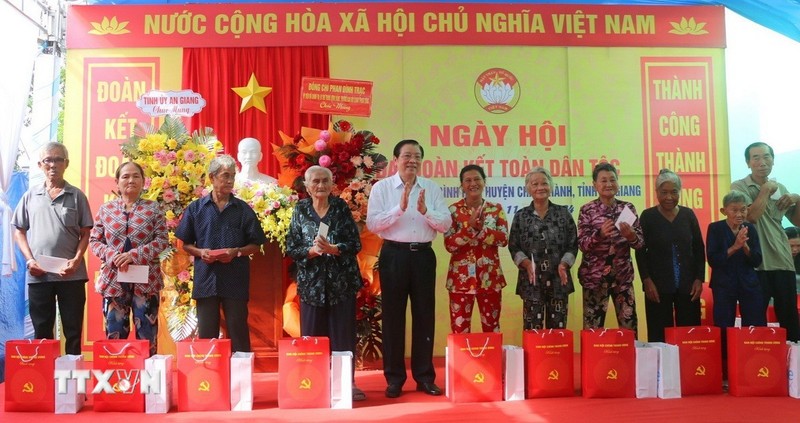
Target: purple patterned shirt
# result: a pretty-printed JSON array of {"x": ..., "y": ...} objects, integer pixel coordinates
[{"x": 605, "y": 257}]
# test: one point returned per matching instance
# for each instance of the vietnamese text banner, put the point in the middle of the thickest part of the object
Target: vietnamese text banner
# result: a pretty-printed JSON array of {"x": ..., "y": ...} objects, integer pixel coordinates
[
  {"x": 244, "y": 25},
  {"x": 111, "y": 87},
  {"x": 679, "y": 123},
  {"x": 336, "y": 96}
]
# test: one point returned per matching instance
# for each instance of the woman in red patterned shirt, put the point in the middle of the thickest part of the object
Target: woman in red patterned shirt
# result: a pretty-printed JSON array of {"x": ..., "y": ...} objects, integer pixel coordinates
[
  {"x": 129, "y": 231},
  {"x": 479, "y": 228}
]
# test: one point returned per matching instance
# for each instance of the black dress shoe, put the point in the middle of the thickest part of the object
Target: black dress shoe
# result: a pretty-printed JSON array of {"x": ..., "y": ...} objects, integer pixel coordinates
[
  {"x": 393, "y": 391},
  {"x": 429, "y": 388}
]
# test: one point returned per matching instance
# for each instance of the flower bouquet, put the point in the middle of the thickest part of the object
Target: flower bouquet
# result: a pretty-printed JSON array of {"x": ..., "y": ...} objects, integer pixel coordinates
[
  {"x": 350, "y": 155},
  {"x": 273, "y": 205}
]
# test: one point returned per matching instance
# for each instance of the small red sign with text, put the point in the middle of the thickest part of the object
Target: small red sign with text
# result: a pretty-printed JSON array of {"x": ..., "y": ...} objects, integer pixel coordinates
[{"x": 336, "y": 96}]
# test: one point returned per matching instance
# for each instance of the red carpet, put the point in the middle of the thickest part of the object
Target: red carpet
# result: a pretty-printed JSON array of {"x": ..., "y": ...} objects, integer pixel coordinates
[{"x": 418, "y": 407}]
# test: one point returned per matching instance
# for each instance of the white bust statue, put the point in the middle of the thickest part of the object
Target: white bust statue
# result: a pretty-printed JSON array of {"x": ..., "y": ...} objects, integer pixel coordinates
[{"x": 249, "y": 155}]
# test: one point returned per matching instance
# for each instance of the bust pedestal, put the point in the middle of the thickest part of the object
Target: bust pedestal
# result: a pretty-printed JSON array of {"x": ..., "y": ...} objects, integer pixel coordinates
[{"x": 265, "y": 307}]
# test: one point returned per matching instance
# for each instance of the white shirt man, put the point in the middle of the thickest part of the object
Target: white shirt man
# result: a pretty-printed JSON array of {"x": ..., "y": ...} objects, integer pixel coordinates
[{"x": 407, "y": 211}]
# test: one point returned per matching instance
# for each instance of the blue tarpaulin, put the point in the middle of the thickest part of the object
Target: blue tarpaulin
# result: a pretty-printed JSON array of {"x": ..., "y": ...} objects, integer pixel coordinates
[{"x": 13, "y": 304}]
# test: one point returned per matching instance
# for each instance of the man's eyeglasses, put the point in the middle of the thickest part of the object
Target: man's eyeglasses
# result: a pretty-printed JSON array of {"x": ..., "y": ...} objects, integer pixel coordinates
[{"x": 53, "y": 160}]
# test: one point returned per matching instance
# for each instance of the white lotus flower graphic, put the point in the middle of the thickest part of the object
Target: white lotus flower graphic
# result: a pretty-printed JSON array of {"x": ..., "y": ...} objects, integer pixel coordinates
[{"x": 494, "y": 93}]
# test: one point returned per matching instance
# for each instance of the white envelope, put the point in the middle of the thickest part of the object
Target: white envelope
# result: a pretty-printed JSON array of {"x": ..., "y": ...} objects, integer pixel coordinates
[
  {"x": 777, "y": 194},
  {"x": 51, "y": 264},
  {"x": 323, "y": 230},
  {"x": 137, "y": 273},
  {"x": 627, "y": 216}
]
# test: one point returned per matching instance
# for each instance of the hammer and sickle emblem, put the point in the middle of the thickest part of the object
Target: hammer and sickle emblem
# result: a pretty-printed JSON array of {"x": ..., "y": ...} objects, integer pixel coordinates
[
  {"x": 27, "y": 388},
  {"x": 204, "y": 386},
  {"x": 700, "y": 370},
  {"x": 116, "y": 388},
  {"x": 763, "y": 372},
  {"x": 553, "y": 375},
  {"x": 305, "y": 383},
  {"x": 612, "y": 374},
  {"x": 479, "y": 378}
]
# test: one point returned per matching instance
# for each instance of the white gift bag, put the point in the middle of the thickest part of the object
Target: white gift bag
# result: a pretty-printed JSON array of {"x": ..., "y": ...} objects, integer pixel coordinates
[
  {"x": 242, "y": 381},
  {"x": 669, "y": 370},
  {"x": 69, "y": 402},
  {"x": 794, "y": 369},
  {"x": 159, "y": 401},
  {"x": 341, "y": 380},
  {"x": 513, "y": 373},
  {"x": 646, "y": 370}
]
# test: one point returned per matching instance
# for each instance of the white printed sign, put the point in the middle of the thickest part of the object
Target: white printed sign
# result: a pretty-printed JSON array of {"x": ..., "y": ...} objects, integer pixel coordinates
[{"x": 174, "y": 103}]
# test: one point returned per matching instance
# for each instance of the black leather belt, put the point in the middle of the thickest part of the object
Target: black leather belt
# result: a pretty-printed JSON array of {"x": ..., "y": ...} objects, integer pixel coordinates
[{"x": 410, "y": 246}]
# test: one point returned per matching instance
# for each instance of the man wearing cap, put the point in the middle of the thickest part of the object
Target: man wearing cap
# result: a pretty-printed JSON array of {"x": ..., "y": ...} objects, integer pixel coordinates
[
  {"x": 769, "y": 201},
  {"x": 407, "y": 211}
]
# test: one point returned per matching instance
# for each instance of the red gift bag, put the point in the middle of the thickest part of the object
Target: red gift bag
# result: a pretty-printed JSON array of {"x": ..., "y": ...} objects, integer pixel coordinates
[
  {"x": 608, "y": 363},
  {"x": 126, "y": 361},
  {"x": 757, "y": 362},
  {"x": 700, "y": 355},
  {"x": 475, "y": 367},
  {"x": 30, "y": 367},
  {"x": 304, "y": 372},
  {"x": 549, "y": 363},
  {"x": 204, "y": 375}
]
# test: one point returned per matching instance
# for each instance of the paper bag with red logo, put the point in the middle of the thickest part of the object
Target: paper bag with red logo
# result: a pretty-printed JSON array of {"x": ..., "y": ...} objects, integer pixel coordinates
[
  {"x": 204, "y": 375},
  {"x": 700, "y": 355},
  {"x": 549, "y": 363},
  {"x": 29, "y": 374},
  {"x": 121, "y": 361},
  {"x": 475, "y": 367},
  {"x": 757, "y": 362},
  {"x": 304, "y": 372},
  {"x": 608, "y": 363}
]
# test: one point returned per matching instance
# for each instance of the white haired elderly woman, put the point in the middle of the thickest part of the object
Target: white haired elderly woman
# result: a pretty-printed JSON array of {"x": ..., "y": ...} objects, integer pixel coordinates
[
  {"x": 672, "y": 263},
  {"x": 221, "y": 231},
  {"x": 328, "y": 277},
  {"x": 543, "y": 243}
]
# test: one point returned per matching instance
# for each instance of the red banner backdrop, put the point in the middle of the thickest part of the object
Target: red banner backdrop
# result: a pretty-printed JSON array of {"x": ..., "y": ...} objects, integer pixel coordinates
[
  {"x": 680, "y": 130},
  {"x": 213, "y": 72},
  {"x": 111, "y": 88},
  {"x": 238, "y": 25}
]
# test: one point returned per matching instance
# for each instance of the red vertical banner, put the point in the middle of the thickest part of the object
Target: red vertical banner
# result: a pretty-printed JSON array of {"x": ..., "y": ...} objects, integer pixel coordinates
[
  {"x": 679, "y": 134},
  {"x": 111, "y": 88}
]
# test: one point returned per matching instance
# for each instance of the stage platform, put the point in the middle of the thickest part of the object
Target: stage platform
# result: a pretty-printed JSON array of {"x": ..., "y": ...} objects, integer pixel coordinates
[{"x": 418, "y": 407}]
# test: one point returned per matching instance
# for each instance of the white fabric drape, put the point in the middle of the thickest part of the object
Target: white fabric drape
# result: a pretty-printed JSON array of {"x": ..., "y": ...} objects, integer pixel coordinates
[{"x": 20, "y": 47}]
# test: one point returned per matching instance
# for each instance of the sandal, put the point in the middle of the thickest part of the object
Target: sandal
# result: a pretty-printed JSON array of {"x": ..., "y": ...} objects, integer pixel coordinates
[{"x": 358, "y": 394}]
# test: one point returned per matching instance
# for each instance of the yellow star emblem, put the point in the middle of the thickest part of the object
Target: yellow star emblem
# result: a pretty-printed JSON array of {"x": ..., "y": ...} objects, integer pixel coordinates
[
  {"x": 252, "y": 95},
  {"x": 497, "y": 80}
]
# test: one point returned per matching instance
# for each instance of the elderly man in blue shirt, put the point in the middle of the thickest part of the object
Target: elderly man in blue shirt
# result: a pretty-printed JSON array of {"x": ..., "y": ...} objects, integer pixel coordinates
[{"x": 221, "y": 231}]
